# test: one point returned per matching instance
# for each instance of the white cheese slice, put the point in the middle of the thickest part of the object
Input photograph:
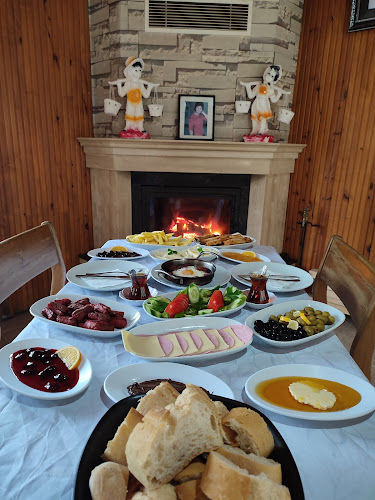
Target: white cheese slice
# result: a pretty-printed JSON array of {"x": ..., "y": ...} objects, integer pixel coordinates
[
  {"x": 207, "y": 345},
  {"x": 191, "y": 347},
  {"x": 313, "y": 396},
  {"x": 147, "y": 346}
]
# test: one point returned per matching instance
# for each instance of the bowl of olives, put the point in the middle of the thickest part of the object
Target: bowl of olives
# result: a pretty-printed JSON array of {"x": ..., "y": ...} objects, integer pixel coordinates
[{"x": 295, "y": 322}]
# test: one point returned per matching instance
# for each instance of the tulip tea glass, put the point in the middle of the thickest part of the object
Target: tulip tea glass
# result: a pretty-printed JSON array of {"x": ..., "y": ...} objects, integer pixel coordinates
[{"x": 258, "y": 292}]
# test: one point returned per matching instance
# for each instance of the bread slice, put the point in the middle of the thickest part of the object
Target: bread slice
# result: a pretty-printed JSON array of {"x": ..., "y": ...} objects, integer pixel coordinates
[
  {"x": 166, "y": 492},
  {"x": 109, "y": 481},
  {"x": 168, "y": 439},
  {"x": 115, "y": 450},
  {"x": 222, "y": 479},
  {"x": 253, "y": 435},
  {"x": 252, "y": 463},
  {"x": 190, "y": 490},
  {"x": 221, "y": 408},
  {"x": 192, "y": 471},
  {"x": 163, "y": 395}
]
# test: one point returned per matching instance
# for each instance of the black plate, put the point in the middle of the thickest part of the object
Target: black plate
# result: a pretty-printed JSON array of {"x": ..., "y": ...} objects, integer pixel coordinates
[{"x": 107, "y": 427}]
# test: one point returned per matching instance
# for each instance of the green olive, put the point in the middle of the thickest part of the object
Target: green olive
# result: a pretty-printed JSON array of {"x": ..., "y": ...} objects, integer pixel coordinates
[
  {"x": 317, "y": 312},
  {"x": 274, "y": 318},
  {"x": 309, "y": 330},
  {"x": 309, "y": 310},
  {"x": 322, "y": 318},
  {"x": 311, "y": 317},
  {"x": 325, "y": 313},
  {"x": 331, "y": 320},
  {"x": 289, "y": 315},
  {"x": 301, "y": 321}
]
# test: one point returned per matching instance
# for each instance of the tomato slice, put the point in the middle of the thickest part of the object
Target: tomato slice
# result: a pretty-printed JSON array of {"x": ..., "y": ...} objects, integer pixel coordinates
[
  {"x": 216, "y": 301},
  {"x": 179, "y": 304}
]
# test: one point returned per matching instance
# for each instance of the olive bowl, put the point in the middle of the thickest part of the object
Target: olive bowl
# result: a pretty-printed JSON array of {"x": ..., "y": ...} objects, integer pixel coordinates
[{"x": 173, "y": 265}]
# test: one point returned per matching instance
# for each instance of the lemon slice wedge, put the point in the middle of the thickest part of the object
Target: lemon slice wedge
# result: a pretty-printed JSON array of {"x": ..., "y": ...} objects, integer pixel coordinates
[
  {"x": 249, "y": 253},
  {"x": 293, "y": 324},
  {"x": 70, "y": 355},
  {"x": 119, "y": 249}
]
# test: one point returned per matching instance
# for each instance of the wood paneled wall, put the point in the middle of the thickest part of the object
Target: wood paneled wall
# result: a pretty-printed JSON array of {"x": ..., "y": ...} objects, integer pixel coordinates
[
  {"x": 334, "y": 102},
  {"x": 45, "y": 104}
]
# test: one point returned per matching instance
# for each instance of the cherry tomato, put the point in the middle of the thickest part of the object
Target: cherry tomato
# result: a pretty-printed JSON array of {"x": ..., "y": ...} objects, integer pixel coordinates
[{"x": 216, "y": 301}]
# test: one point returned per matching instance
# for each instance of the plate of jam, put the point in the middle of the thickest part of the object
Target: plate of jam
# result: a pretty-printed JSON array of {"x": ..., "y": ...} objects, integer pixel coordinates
[
  {"x": 32, "y": 368},
  {"x": 142, "y": 377}
]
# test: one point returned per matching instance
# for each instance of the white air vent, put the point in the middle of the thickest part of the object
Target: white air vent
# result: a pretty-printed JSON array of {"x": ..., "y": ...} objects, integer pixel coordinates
[{"x": 222, "y": 17}]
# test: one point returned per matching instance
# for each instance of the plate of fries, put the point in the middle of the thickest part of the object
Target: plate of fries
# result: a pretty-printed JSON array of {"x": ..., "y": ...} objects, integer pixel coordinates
[{"x": 155, "y": 239}]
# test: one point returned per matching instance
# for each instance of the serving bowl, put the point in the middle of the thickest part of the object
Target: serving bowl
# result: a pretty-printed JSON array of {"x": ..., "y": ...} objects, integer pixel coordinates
[{"x": 171, "y": 266}]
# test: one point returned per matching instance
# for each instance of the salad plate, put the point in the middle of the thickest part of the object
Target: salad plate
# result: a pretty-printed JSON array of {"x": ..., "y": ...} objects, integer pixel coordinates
[
  {"x": 221, "y": 278},
  {"x": 363, "y": 387},
  {"x": 94, "y": 253},
  {"x": 109, "y": 423},
  {"x": 110, "y": 268},
  {"x": 117, "y": 382},
  {"x": 8, "y": 377},
  {"x": 161, "y": 301},
  {"x": 131, "y": 315},
  {"x": 305, "y": 279},
  {"x": 178, "y": 325},
  {"x": 300, "y": 304},
  {"x": 186, "y": 252}
]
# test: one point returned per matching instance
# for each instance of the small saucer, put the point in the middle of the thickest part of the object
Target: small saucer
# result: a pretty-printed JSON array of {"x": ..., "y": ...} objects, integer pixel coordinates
[
  {"x": 271, "y": 296},
  {"x": 153, "y": 292}
]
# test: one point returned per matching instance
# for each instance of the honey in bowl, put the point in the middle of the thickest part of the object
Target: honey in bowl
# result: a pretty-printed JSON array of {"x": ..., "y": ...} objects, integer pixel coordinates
[
  {"x": 276, "y": 391},
  {"x": 243, "y": 256}
]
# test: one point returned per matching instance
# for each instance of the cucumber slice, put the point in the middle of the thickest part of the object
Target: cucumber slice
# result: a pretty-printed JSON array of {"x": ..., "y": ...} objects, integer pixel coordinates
[
  {"x": 152, "y": 311},
  {"x": 205, "y": 311},
  {"x": 236, "y": 303},
  {"x": 193, "y": 293}
]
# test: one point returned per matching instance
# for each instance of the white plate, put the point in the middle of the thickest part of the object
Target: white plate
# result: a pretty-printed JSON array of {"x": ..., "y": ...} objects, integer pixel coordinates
[
  {"x": 221, "y": 278},
  {"x": 235, "y": 250},
  {"x": 136, "y": 303},
  {"x": 284, "y": 307},
  {"x": 99, "y": 266},
  {"x": 187, "y": 324},
  {"x": 117, "y": 382},
  {"x": 94, "y": 253},
  {"x": 172, "y": 295},
  {"x": 272, "y": 300},
  {"x": 367, "y": 391},
  {"x": 275, "y": 268},
  {"x": 8, "y": 377},
  {"x": 152, "y": 246},
  {"x": 130, "y": 314},
  {"x": 240, "y": 245},
  {"x": 158, "y": 252}
]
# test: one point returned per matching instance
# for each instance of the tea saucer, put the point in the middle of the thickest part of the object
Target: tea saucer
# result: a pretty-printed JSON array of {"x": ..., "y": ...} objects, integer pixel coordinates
[
  {"x": 272, "y": 299},
  {"x": 136, "y": 303}
]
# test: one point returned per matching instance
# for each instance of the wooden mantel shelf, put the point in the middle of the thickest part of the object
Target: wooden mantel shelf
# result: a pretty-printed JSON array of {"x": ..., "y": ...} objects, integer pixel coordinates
[{"x": 111, "y": 162}]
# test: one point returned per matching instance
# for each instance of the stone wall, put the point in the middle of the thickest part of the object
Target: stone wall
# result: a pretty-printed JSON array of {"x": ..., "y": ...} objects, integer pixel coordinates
[{"x": 192, "y": 64}]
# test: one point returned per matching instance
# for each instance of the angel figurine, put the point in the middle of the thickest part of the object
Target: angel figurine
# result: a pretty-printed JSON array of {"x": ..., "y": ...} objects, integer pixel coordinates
[
  {"x": 134, "y": 88},
  {"x": 264, "y": 92}
]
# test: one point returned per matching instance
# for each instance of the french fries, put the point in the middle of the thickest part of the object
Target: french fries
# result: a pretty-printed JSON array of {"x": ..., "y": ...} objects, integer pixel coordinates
[{"x": 158, "y": 238}]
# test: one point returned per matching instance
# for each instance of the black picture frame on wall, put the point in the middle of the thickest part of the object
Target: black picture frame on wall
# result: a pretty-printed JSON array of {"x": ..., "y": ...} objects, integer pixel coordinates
[
  {"x": 362, "y": 15},
  {"x": 196, "y": 117}
]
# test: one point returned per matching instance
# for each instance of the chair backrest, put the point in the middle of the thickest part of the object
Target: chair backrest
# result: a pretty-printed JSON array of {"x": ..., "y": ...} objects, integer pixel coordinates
[
  {"x": 352, "y": 278},
  {"x": 28, "y": 254}
]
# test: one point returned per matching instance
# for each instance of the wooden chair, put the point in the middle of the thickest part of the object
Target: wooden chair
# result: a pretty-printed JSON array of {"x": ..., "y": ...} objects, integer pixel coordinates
[
  {"x": 352, "y": 278},
  {"x": 28, "y": 254}
]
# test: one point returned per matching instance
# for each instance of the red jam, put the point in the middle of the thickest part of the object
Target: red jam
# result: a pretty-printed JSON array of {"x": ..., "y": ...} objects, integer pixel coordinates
[{"x": 42, "y": 369}]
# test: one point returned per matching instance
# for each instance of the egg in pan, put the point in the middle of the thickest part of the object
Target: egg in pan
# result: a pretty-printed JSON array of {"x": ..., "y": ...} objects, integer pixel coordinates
[{"x": 189, "y": 272}]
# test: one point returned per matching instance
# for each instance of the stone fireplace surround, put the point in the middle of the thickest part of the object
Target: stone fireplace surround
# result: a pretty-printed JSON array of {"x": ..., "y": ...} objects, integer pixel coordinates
[{"x": 111, "y": 162}]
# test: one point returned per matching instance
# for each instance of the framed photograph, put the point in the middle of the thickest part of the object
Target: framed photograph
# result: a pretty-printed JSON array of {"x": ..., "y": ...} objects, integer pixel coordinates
[
  {"x": 196, "y": 117},
  {"x": 362, "y": 15}
]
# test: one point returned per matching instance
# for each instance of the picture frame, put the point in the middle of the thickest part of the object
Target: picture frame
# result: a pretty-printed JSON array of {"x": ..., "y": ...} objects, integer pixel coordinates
[
  {"x": 196, "y": 117},
  {"x": 362, "y": 15}
]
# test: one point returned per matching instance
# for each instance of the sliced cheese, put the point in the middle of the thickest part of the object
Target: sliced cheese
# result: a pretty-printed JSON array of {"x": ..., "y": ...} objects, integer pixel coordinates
[
  {"x": 191, "y": 347},
  {"x": 203, "y": 343},
  {"x": 148, "y": 346},
  {"x": 176, "y": 348},
  {"x": 221, "y": 345},
  {"x": 237, "y": 342}
]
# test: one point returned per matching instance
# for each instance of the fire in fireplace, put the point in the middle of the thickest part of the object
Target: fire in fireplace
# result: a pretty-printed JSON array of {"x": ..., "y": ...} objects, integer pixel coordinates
[{"x": 190, "y": 204}]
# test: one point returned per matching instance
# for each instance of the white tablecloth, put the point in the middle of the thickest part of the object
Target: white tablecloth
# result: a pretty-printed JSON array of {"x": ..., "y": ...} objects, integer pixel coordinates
[{"x": 41, "y": 442}]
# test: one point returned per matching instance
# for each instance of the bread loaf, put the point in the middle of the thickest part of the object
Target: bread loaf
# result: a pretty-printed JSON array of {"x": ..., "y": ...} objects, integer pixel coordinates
[
  {"x": 163, "y": 395},
  {"x": 190, "y": 490},
  {"x": 192, "y": 471},
  {"x": 168, "y": 439},
  {"x": 252, "y": 433},
  {"x": 109, "y": 481},
  {"x": 166, "y": 492}
]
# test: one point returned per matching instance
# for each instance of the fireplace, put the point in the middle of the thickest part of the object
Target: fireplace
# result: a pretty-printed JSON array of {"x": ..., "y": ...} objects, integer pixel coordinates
[
  {"x": 113, "y": 161},
  {"x": 189, "y": 204}
]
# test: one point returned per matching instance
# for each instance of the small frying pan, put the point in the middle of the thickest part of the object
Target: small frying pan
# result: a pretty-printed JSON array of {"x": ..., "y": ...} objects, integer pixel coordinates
[{"x": 172, "y": 265}]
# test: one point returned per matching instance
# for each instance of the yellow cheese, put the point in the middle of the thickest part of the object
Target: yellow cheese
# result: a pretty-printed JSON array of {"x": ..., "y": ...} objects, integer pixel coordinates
[
  {"x": 207, "y": 345},
  {"x": 222, "y": 345},
  {"x": 147, "y": 346},
  {"x": 237, "y": 341},
  {"x": 191, "y": 349},
  {"x": 176, "y": 350}
]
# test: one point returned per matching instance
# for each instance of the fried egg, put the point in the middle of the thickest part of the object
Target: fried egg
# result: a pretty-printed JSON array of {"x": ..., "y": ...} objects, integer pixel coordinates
[{"x": 188, "y": 272}]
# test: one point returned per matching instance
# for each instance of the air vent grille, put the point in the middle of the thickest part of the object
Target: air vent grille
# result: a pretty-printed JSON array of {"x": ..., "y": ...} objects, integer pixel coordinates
[{"x": 198, "y": 17}]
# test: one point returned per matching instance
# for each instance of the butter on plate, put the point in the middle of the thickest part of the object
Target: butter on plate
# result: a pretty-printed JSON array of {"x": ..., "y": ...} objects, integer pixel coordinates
[{"x": 320, "y": 399}]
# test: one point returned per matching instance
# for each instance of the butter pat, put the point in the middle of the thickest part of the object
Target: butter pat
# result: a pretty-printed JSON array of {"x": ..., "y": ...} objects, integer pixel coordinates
[{"x": 313, "y": 396}]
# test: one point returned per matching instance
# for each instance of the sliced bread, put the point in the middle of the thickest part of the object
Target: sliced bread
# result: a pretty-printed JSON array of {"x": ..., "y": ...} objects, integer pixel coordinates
[
  {"x": 163, "y": 395},
  {"x": 190, "y": 491},
  {"x": 165, "y": 492}
]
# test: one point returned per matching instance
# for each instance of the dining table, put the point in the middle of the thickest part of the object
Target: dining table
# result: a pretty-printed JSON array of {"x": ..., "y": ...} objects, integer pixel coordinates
[{"x": 41, "y": 441}]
